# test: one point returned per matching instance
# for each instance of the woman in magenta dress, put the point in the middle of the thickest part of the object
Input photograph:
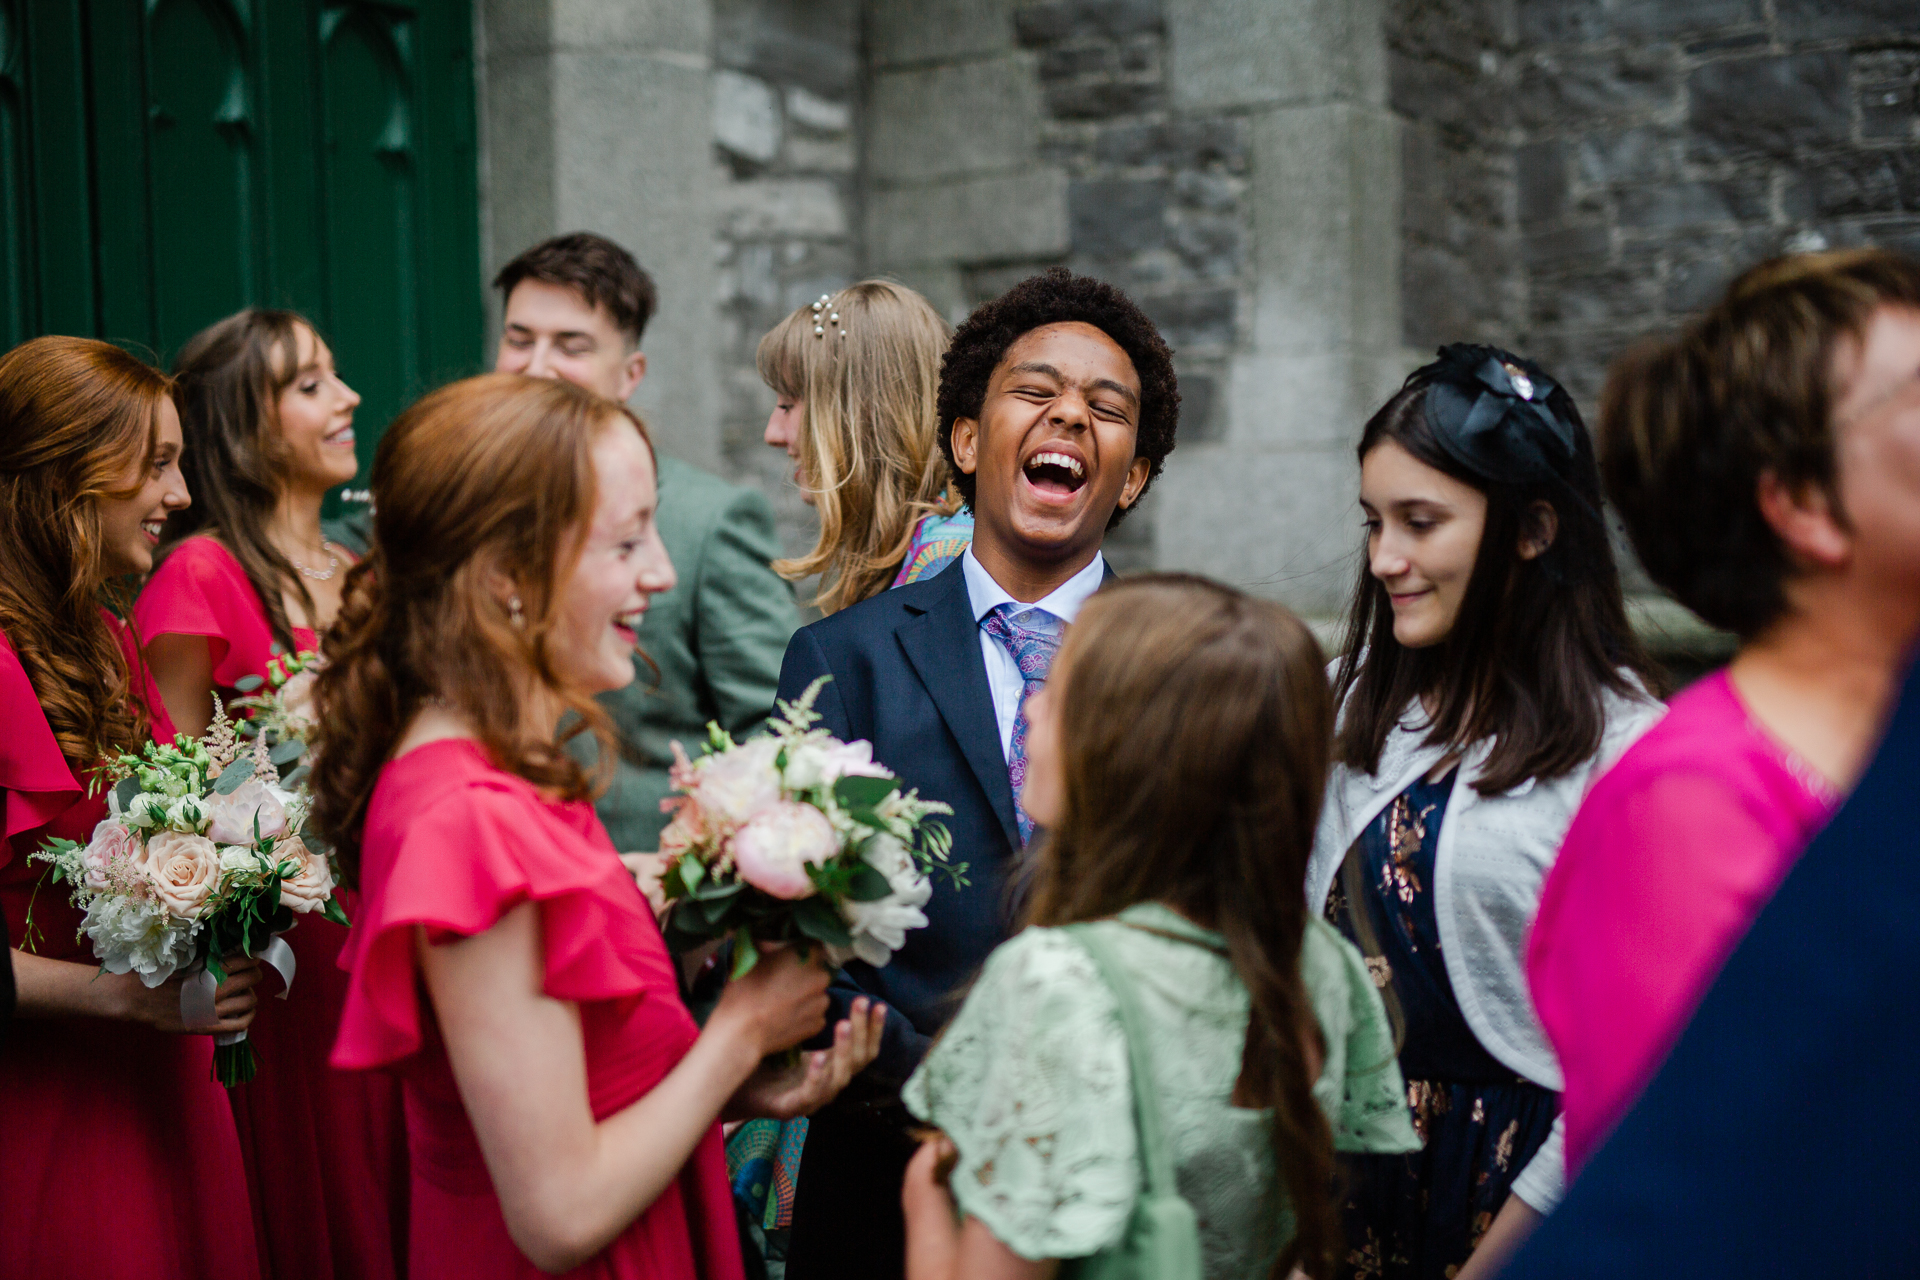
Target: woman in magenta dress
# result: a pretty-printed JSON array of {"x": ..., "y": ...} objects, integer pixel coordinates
[
  {"x": 1767, "y": 465},
  {"x": 562, "y": 1105},
  {"x": 269, "y": 429},
  {"x": 117, "y": 1150}
]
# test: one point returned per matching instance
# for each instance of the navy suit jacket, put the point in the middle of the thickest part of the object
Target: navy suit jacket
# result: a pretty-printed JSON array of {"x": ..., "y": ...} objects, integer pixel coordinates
[{"x": 908, "y": 676}]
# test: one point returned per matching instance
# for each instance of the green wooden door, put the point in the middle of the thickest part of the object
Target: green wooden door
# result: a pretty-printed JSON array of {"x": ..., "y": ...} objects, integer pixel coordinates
[{"x": 168, "y": 162}]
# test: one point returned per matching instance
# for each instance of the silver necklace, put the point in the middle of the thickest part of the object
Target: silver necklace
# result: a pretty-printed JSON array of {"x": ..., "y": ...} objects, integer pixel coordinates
[{"x": 318, "y": 575}]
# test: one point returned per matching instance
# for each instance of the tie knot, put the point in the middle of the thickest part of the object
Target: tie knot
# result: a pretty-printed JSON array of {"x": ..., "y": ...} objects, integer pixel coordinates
[{"x": 1032, "y": 639}]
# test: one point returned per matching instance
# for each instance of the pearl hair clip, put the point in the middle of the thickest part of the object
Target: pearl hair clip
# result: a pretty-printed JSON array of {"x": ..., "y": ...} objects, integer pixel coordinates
[{"x": 824, "y": 315}]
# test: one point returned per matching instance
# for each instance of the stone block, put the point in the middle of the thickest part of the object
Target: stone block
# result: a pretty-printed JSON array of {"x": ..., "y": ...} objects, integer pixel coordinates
[
  {"x": 1596, "y": 298},
  {"x": 1326, "y": 229},
  {"x": 1860, "y": 183},
  {"x": 1209, "y": 246},
  {"x": 1769, "y": 105},
  {"x": 1040, "y": 22},
  {"x": 1541, "y": 171},
  {"x": 822, "y": 115},
  {"x": 1283, "y": 524},
  {"x": 781, "y": 207},
  {"x": 820, "y": 155},
  {"x": 1889, "y": 106},
  {"x": 815, "y": 44},
  {"x": 1241, "y": 53},
  {"x": 900, "y": 33},
  {"x": 946, "y": 121},
  {"x": 1699, "y": 272},
  {"x": 1103, "y": 98},
  {"x": 1586, "y": 21},
  {"x": 1579, "y": 89},
  {"x": 1663, "y": 206},
  {"x": 746, "y": 116},
  {"x": 513, "y": 26},
  {"x": 1641, "y": 153},
  {"x": 983, "y": 284},
  {"x": 602, "y": 25},
  {"x": 1020, "y": 216},
  {"x": 1194, "y": 317},
  {"x": 1116, "y": 217},
  {"x": 1200, "y": 416},
  {"x": 1175, "y": 144},
  {"x": 1826, "y": 20},
  {"x": 1064, "y": 62},
  {"x": 1557, "y": 248}
]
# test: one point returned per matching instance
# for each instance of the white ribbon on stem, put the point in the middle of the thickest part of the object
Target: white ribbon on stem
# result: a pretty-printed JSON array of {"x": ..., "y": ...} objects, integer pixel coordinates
[{"x": 197, "y": 992}]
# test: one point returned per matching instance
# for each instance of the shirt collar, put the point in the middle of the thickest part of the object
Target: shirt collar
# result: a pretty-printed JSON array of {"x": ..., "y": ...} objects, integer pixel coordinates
[{"x": 1063, "y": 602}]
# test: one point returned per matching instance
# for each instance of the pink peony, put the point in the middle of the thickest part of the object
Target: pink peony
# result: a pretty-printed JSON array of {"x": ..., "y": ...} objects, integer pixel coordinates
[
  {"x": 183, "y": 869},
  {"x": 737, "y": 784},
  {"x": 311, "y": 883},
  {"x": 823, "y": 763},
  {"x": 774, "y": 848},
  {"x": 233, "y": 814},
  {"x": 110, "y": 841}
]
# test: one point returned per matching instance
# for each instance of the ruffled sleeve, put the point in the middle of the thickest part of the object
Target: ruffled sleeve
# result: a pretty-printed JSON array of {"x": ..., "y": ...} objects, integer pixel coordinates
[
  {"x": 36, "y": 783},
  {"x": 201, "y": 590},
  {"x": 1030, "y": 1080},
  {"x": 472, "y": 853},
  {"x": 1360, "y": 1087}
]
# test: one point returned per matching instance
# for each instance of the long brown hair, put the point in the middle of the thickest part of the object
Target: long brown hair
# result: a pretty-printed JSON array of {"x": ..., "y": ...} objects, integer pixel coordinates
[
  {"x": 76, "y": 416},
  {"x": 867, "y": 366},
  {"x": 487, "y": 479},
  {"x": 1537, "y": 643},
  {"x": 227, "y": 382},
  {"x": 1194, "y": 731}
]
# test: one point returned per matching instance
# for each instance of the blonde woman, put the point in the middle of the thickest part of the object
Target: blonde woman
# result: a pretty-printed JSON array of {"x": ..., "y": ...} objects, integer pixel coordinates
[{"x": 854, "y": 375}]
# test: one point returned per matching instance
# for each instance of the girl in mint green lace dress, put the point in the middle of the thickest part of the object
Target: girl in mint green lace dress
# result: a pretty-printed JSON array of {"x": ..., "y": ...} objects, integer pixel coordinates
[{"x": 1176, "y": 758}]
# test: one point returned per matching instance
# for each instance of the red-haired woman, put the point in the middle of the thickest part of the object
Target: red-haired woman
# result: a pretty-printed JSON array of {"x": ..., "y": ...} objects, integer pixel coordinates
[
  {"x": 562, "y": 1105},
  {"x": 117, "y": 1152},
  {"x": 269, "y": 429}
]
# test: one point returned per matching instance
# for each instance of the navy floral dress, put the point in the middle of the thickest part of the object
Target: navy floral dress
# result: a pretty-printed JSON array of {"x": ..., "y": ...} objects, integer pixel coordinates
[{"x": 1419, "y": 1216}]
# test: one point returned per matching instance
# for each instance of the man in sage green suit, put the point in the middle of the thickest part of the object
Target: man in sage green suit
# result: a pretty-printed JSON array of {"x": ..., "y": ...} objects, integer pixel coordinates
[{"x": 576, "y": 306}]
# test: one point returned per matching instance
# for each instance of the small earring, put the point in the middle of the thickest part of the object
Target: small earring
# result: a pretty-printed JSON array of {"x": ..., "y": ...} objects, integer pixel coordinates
[{"x": 515, "y": 616}]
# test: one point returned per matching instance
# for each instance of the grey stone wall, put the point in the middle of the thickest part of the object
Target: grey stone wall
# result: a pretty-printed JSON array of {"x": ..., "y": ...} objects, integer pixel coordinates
[{"x": 1591, "y": 171}]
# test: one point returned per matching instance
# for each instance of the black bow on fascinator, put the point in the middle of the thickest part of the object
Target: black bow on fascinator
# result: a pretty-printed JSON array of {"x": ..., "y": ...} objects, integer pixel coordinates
[{"x": 1499, "y": 415}]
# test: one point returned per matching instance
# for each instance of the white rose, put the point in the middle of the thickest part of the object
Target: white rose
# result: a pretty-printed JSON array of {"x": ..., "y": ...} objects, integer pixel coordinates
[
  {"x": 188, "y": 813},
  {"x": 183, "y": 870},
  {"x": 737, "y": 784},
  {"x": 311, "y": 883},
  {"x": 232, "y": 815},
  {"x": 235, "y": 857},
  {"x": 146, "y": 810}
]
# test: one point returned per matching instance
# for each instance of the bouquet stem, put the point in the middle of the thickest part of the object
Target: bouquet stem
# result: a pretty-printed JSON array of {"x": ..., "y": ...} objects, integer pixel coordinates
[{"x": 235, "y": 1063}]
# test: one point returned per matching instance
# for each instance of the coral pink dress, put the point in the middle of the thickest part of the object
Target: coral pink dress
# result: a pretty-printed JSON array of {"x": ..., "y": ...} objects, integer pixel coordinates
[
  {"x": 1671, "y": 856},
  {"x": 117, "y": 1151},
  {"x": 326, "y": 1149},
  {"x": 453, "y": 843}
]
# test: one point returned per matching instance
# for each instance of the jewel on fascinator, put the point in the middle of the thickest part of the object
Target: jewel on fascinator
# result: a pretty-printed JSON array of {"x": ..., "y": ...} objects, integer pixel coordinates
[{"x": 1499, "y": 415}]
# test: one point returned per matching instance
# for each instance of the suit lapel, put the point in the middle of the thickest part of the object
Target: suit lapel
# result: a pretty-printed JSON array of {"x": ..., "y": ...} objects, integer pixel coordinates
[{"x": 943, "y": 644}]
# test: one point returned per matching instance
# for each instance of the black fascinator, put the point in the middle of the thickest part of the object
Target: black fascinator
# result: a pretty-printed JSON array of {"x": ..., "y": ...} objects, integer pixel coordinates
[{"x": 1499, "y": 415}]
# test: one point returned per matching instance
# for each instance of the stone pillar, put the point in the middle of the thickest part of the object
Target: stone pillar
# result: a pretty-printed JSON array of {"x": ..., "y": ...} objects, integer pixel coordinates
[
  {"x": 1268, "y": 503},
  {"x": 598, "y": 116}
]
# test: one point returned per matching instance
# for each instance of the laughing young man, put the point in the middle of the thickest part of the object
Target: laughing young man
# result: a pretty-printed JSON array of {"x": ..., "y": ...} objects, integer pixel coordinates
[{"x": 1058, "y": 406}]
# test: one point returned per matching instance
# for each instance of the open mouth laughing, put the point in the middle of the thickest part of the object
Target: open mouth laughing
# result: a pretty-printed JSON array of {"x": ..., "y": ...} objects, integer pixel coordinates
[
  {"x": 152, "y": 528},
  {"x": 1055, "y": 473}
]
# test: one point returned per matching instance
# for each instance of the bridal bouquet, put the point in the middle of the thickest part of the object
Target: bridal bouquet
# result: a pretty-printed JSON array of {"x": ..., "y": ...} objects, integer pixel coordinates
[
  {"x": 795, "y": 836},
  {"x": 201, "y": 856}
]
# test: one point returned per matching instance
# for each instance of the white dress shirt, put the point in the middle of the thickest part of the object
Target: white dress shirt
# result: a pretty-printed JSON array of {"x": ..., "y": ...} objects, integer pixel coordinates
[{"x": 1062, "y": 605}]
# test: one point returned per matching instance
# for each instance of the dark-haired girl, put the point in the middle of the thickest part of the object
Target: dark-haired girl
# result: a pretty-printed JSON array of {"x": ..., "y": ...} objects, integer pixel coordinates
[
  {"x": 268, "y": 423},
  {"x": 1490, "y": 674},
  {"x": 117, "y": 1152},
  {"x": 1766, "y": 463},
  {"x": 1176, "y": 758}
]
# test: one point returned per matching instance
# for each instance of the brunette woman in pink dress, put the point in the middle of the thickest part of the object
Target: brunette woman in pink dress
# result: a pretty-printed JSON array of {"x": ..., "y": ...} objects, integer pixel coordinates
[
  {"x": 562, "y": 1106},
  {"x": 1767, "y": 465},
  {"x": 268, "y": 423},
  {"x": 117, "y": 1150}
]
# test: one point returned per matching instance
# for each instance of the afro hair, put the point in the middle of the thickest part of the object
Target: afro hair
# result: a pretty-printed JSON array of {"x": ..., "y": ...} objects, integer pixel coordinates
[{"x": 1057, "y": 296}]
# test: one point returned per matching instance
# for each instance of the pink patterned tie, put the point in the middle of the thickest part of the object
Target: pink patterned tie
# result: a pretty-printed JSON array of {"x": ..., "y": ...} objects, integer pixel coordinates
[{"x": 1032, "y": 650}]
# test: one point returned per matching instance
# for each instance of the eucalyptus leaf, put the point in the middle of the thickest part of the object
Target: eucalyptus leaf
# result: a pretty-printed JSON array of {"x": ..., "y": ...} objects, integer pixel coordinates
[
  {"x": 867, "y": 885},
  {"x": 127, "y": 789},
  {"x": 692, "y": 872},
  {"x": 294, "y": 779},
  {"x": 745, "y": 955},
  {"x": 248, "y": 683},
  {"x": 232, "y": 776},
  {"x": 715, "y": 891},
  {"x": 287, "y": 752}
]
